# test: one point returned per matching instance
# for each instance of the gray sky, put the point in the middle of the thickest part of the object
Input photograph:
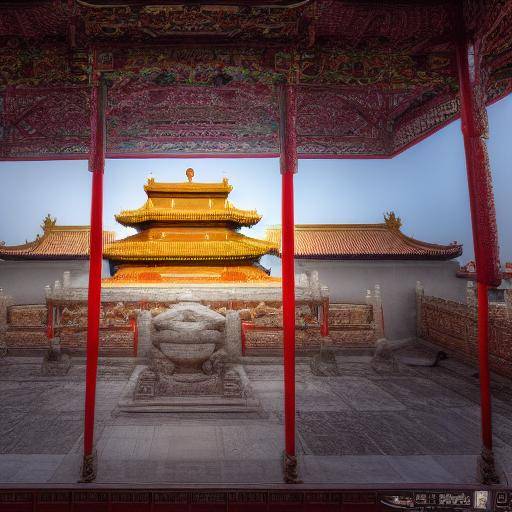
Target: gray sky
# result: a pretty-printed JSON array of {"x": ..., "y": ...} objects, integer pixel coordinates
[{"x": 426, "y": 186}]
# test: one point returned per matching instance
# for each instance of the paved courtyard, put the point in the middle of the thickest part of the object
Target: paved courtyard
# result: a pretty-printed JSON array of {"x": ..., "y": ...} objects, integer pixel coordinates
[{"x": 420, "y": 425}]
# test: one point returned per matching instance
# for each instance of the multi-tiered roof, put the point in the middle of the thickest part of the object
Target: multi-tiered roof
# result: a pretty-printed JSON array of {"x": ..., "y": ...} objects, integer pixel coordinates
[{"x": 188, "y": 231}]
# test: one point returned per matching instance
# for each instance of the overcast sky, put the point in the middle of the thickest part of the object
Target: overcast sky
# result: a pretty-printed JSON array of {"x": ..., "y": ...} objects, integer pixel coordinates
[{"x": 426, "y": 186}]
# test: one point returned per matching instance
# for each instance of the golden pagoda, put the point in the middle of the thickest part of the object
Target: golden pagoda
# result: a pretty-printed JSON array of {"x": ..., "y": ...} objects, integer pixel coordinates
[{"x": 188, "y": 233}]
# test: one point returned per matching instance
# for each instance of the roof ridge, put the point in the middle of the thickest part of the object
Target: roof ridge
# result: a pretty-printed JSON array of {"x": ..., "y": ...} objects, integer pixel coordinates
[
  {"x": 332, "y": 227},
  {"x": 413, "y": 240}
]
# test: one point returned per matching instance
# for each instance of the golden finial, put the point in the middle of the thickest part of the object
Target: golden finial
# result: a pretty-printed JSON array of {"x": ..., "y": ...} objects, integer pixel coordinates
[
  {"x": 190, "y": 174},
  {"x": 48, "y": 222},
  {"x": 392, "y": 221}
]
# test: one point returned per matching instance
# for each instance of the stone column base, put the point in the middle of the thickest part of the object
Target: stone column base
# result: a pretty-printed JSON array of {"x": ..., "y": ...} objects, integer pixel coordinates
[
  {"x": 89, "y": 468},
  {"x": 290, "y": 473},
  {"x": 486, "y": 468}
]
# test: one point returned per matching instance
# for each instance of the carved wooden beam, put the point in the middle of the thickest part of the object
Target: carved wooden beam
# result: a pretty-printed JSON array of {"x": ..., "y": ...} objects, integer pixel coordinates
[{"x": 228, "y": 3}]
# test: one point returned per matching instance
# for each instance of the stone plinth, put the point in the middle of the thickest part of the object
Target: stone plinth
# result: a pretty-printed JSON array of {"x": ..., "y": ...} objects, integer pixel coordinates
[
  {"x": 189, "y": 368},
  {"x": 230, "y": 399}
]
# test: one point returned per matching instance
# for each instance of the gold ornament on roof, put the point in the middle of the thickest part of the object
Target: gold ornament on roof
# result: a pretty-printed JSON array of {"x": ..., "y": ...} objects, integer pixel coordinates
[
  {"x": 48, "y": 222},
  {"x": 190, "y": 174},
  {"x": 392, "y": 221}
]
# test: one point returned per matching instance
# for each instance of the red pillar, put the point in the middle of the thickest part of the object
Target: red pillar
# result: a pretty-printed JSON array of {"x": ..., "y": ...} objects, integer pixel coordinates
[
  {"x": 288, "y": 169},
  {"x": 96, "y": 166},
  {"x": 483, "y": 218}
]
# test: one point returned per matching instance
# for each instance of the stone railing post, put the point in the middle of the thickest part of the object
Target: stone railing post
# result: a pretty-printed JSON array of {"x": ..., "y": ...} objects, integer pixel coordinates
[
  {"x": 5, "y": 302},
  {"x": 420, "y": 294},
  {"x": 144, "y": 333},
  {"x": 508, "y": 303},
  {"x": 66, "y": 279},
  {"x": 378, "y": 314},
  {"x": 471, "y": 299},
  {"x": 233, "y": 333}
]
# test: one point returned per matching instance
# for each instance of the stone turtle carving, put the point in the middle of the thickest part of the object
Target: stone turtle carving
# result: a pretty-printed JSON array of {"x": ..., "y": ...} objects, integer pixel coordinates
[
  {"x": 188, "y": 355},
  {"x": 193, "y": 365},
  {"x": 190, "y": 337}
]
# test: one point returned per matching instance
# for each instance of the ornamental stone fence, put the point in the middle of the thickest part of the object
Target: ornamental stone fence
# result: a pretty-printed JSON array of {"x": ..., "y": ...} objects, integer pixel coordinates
[
  {"x": 124, "y": 324},
  {"x": 453, "y": 326},
  {"x": 338, "y": 325}
]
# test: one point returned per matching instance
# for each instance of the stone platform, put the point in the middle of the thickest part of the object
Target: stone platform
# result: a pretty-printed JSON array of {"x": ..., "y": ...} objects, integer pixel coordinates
[
  {"x": 419, "y": 426},
  {"x": 187, "y": 404}
]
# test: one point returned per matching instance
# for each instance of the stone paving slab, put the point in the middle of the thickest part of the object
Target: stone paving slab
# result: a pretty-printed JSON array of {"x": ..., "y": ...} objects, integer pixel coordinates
[
  {"x": 361, "y": 427},
  {"x": 363, "y": 395},
  {"x": 360, "y": 469}
]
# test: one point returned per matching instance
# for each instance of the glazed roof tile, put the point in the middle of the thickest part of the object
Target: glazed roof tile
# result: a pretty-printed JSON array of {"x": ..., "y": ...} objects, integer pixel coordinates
[
  {"x": 360, "y": 241},
  {"x": 57, "y": 242}
]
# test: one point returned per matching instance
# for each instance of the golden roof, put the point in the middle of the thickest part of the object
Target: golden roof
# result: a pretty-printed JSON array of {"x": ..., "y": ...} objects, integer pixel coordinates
[
  {"x": 153, "y": 188},
  {"x": 188, "y": 202},
  {"x": 188, "y": 244},
  {"x": 150, "y": 213}
]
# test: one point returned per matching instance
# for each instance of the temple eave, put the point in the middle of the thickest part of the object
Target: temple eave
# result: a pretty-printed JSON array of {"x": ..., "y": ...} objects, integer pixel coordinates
[
  {"x": 183, "y": 258},
  {"x": 237, "y": 218}
]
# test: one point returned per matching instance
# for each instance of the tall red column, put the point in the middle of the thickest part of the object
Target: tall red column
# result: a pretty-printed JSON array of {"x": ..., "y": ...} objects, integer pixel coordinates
[
  {"x": 288, "y": 136},
  {"x": 483, "y": 219},
  {"x": 96, "y": 166}
]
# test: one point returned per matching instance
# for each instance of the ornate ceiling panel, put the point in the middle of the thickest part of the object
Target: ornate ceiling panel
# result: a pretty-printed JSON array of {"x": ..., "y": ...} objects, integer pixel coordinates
[
  {"x": 374, "y": 76},
  {"x": 195, "y": 22},
  {"x": 44, "y": 123},
  {"x": 386, "y": 24},
  {"x": 41, "y": 20},
  {"x": 163, "y": 120}
]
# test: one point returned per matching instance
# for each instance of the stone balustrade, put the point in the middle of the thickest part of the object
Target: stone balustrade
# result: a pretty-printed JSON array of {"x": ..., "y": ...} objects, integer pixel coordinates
[{"x": 454, "y": 326}]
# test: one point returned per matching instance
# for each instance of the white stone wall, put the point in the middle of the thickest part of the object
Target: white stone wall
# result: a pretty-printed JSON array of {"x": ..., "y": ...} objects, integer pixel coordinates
[
  {"x": 349, "y": 280},
  {"x": 25, "y": 280}
]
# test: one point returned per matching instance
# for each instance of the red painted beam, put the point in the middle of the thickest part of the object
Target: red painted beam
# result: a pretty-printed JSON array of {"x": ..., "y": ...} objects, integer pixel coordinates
[
  {"x": 96, "y": 166},
  {"x": 288, "y": 135}
]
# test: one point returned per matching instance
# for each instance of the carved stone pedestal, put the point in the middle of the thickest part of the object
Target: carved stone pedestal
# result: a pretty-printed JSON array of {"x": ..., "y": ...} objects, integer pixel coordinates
[
  {"x": 190, "y": 367},
  {"x": 230, "y": 392}
]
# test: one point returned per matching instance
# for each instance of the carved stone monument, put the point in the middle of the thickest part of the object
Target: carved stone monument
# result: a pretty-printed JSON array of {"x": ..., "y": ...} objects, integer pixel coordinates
[{"x": 191, "y": 366}]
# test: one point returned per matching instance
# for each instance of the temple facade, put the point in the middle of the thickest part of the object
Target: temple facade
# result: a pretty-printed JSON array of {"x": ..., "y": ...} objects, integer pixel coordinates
[{"x": 188, "y": 233}]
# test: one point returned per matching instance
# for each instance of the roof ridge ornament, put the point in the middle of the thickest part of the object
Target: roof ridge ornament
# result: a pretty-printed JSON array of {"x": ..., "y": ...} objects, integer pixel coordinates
[
  {"x": 48, "y": 223},
  {"x": 392, "y": 221},
  {"x": 190, "y": 174}
]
